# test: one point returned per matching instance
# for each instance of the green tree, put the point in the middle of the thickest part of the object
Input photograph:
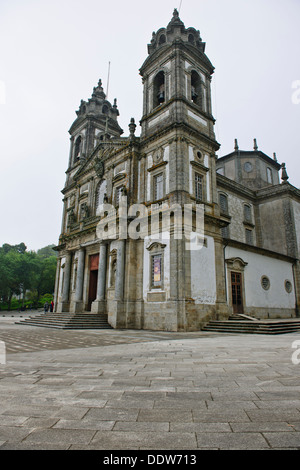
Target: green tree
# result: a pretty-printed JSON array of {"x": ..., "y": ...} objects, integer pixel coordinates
[
  {"x": 47, "y": 251},
  {"x": 24, "y": 272},
  {"x": 44, "y": 278},
  {"x": 10, "y": 275}
]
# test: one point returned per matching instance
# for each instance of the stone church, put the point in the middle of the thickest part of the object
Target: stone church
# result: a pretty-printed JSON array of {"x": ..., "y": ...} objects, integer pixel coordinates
[{"x": 140, "y": 273}]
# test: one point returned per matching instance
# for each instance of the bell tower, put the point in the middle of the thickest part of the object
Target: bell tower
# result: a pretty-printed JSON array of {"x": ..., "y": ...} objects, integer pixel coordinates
[
  {"x": 176, "y": 77},
  {"x": 179, "y": 148},
  {"x": 96, "y": 120}
]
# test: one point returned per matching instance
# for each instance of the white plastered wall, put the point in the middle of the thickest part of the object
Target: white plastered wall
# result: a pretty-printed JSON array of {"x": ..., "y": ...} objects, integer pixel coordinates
[
  {"x": 278, "y": 271},
  {"x": 203, "y": 273}
]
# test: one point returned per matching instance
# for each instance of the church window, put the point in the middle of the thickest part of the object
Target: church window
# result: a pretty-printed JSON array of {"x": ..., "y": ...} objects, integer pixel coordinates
[
  {"x": 196, "y": 88},
  {"x": 288, "y": 286},
  {"x": 100, "y": 193},
  {"x": 156, "y": 270},
  {"x": 156, "y": 265},
  {"x": 158, "y": 183},
  {"x": 247, "y": 213},
  {"x": 265, "y": 283},
  {"x": 225, "y": 232},
  {"x": 118, "y": 194},
  {"x": 198, "y": 186},
  {"x": 162, "y": 39},
  {"x": 269, "y": 176},
  {"x": 223, "y": 203},
  {"x": 249, "y": 236},
  {"x": 159, "y": 89},
  {"x": 77, "y": 148},
  {"x": 105, "y": 109}
]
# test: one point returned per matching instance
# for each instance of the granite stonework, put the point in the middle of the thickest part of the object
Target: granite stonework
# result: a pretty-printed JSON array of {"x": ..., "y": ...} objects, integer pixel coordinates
[{"x": 120, "y": 252}]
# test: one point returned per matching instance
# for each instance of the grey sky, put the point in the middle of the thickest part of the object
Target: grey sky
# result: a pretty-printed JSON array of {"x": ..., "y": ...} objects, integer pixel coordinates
[{"x": 54, "y": 52}]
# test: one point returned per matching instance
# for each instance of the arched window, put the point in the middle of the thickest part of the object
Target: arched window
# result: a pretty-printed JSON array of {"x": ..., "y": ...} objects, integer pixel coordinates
[
  {"x": 196, "y": 88},
  {"x": 77, "y": 148},
  {"x": 105, "y": 109},
  {"x": 162, "y": 39},
  {"x": 159, "y": 89}
]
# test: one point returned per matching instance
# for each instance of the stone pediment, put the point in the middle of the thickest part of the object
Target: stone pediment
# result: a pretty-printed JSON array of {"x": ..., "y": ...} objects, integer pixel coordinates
[{"x": 96, "y": 161}]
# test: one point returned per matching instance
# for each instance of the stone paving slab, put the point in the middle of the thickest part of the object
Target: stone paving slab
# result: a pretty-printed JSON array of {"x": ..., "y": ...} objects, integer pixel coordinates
[{"x": 149, "y": 391}]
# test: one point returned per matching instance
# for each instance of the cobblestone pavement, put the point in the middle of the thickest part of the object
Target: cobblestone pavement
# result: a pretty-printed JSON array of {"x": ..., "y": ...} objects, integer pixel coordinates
[
  {"x": 131, "y": 390},
  {"x": 25, "y": 338}
]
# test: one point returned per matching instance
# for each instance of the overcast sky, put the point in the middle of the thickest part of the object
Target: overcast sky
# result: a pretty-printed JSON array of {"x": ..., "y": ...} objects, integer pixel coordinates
[{"x": 53, "y": 52}]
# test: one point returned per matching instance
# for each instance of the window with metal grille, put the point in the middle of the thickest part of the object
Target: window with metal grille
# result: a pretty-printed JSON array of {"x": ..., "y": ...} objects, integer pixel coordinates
[
  {"x": 198, "y": 186},
  {"x": 247, "y": 213},
  {"x": 265, "y": 282},
  {"x": 225, "y": 232},
  {"x": 156, "y": 270},
  {"x": 249, "y": 236},
  {"x": 158, "y": 186},
  {"x": 223, "y": 203},
  {"x": 288, "y": 286}
]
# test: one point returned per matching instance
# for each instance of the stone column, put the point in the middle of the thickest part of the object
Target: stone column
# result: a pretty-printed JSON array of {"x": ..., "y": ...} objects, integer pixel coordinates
[
  {"x": 78, "y": 304},
  {"x": 64, "y": 307},
  {"x": 102, "y": 272},
  {"x": 98, "y": 306},
  {"x": 222, "y": 308},
  {"x": 56, "y": 288},
  {"x": 120, "y": 272}
]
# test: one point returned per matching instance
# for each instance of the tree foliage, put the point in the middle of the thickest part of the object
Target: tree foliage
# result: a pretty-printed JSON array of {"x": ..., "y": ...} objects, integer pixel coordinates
[{"x": 25, "y": 272}]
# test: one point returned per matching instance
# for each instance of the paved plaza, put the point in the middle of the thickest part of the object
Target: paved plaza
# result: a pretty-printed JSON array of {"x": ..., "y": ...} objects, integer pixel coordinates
[{"x": 145, "y": 390}]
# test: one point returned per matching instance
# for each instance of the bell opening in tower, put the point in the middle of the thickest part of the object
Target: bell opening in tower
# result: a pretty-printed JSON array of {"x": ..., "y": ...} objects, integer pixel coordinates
[
  {"x": 159, "y": 89},
  {"x": 196, "y": 88}
]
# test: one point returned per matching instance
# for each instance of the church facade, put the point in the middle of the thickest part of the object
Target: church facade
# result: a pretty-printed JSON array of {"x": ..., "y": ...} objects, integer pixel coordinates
[{"x": 157, "y": 231}]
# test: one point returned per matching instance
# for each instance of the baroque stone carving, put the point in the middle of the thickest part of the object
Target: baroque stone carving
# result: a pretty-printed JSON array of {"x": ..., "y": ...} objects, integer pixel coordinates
[{"x": 99, "y": 167}]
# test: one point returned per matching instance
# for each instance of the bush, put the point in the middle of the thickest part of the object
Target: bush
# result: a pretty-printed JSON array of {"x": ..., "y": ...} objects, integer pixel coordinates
[{"x": 45, "y": 298}]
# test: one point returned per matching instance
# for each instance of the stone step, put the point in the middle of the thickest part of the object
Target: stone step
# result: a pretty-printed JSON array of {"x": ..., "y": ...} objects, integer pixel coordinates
[
  {"x": 256, "y": 327},
  {"x": 68, "y": 321},
  {"x": 240, "y": 316}
]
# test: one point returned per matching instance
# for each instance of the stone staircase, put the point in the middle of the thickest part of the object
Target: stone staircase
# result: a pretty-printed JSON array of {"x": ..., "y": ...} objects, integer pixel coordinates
[
  {"x": 245, "y": 324},
  {"x": 68, "y": 321}
]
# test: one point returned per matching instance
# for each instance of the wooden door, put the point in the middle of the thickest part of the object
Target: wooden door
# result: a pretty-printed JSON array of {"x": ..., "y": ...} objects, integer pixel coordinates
[
  {"x": 237, "y": 293},
  {"x": 92, "y": 288},
  {"x": 93, "y": 268}
]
